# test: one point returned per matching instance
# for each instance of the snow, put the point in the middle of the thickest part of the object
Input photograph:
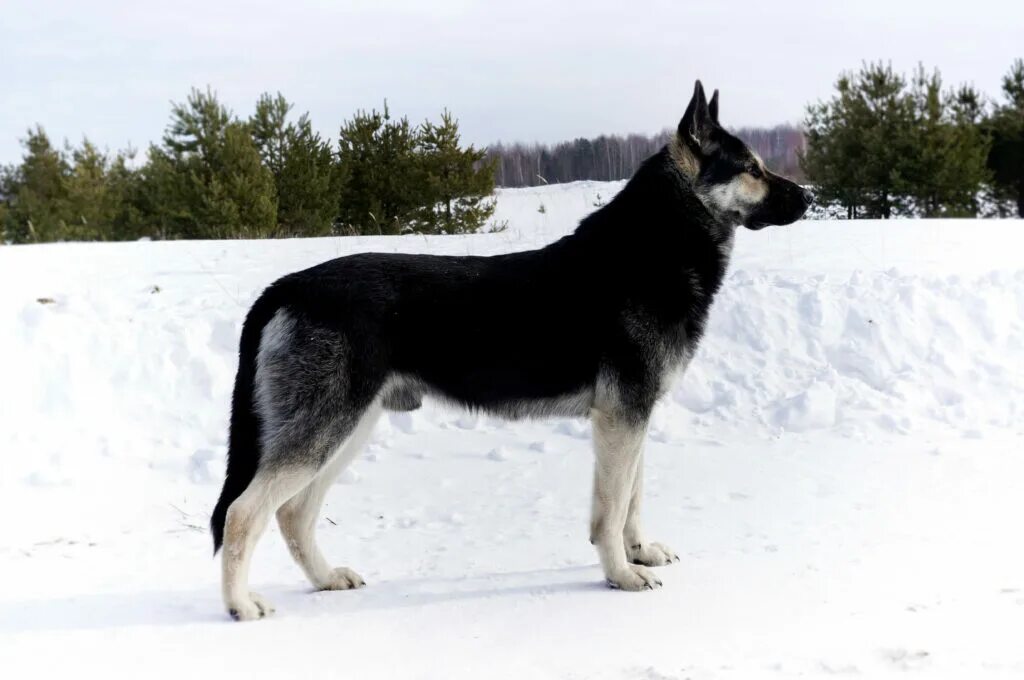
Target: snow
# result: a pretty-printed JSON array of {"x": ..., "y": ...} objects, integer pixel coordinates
[{"x": 839, "y": 471}]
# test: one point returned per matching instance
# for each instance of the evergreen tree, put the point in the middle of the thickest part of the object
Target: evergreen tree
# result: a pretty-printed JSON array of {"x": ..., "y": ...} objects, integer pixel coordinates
[
  {"x": 1006, "y": 158},
  {"x": 305, "y": 173},
  {"x": 37, "y": 193},
  {"x": 883, "y": 117},
  {"x": 270, "y": 130},
  {"x": 161, "y": 195},
  {"x": 125, "y": 188},
  {"x": 97, "y": 187},
  {"x": 208, "y": 180},
  {"x": 383, "y": 180},
  {"x": 965, "y": 174},
  {"x": 931, "y": 140},
  {"x": 80, "y": 193},
  {"x": 832, "y": 159},
  {"x": 458, "y": 181},
  {"x": 882, "y": 149},
  {"x": 949, "y": 149}
]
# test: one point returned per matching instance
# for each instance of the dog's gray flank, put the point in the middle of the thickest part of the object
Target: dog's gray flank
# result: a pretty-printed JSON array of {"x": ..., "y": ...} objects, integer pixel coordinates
[{"x": 275, "y": 341}]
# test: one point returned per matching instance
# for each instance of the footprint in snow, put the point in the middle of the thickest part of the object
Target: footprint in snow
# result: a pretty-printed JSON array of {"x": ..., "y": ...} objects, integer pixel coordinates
[
  {"x": 348, "y": 476},
  {"x": 906, "y": 660},
  {"x": 199, "y": 466},
  {"x": 467, "y": 421},
  {"x": 573, "y": 429}
]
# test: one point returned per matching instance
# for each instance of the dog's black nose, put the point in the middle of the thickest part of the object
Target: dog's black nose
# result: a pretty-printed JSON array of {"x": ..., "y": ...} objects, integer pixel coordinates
[{"x": 807, "y": 195}]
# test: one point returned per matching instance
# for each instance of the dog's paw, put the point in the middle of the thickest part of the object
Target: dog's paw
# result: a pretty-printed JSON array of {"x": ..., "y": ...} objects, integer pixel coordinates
[
  {"x": 343, "y": 578},
  {"x": 250, "y": 609},
  {"x": 651, "y": 554},
  {"x": 634, "y": 578}
]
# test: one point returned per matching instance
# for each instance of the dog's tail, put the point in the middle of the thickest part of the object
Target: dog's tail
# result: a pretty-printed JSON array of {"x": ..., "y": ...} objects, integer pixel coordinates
[{"x": 243, "y": 438}]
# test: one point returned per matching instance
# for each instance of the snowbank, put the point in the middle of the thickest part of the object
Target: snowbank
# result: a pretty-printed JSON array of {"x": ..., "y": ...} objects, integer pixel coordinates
[{"x": 837, "y": 471}]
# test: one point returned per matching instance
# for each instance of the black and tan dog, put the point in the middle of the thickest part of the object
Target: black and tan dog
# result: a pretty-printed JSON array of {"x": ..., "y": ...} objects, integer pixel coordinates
[{"x": 595, "y": 326}]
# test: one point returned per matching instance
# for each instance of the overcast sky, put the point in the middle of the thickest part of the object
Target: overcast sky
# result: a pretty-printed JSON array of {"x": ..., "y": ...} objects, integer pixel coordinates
[{"x": 519, "y": 70}]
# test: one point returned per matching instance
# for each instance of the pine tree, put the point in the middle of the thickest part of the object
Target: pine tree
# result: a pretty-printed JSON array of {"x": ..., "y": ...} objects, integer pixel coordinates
[
  {"x": 125, "y": 187},
  {"x": 884, "y": 117},
  {"x": 305, "y": 173},
  {"x": 161, "y": 195},
  {"x": 931, "y": 142},
  {"x": 966, "y": 174},
  {"x": 208, "y": 180},
  {"x": 458, "y": 181},
  {"x": 240, "y": 190},
  {"x": 270, "y": 130},
  {"x": 382, "y": 185},
  {"x": 858, "y": 143},
  {"x": 37, "y": 193},
  {"x": 947, "y": 169},
  {"x": 1006, "y": 158},
  {"x": 882, "y": 149},
  {"x": 80, "y": 193},
  {"x": 832, "y": 158},
  {"x": 92, "y": 202}
]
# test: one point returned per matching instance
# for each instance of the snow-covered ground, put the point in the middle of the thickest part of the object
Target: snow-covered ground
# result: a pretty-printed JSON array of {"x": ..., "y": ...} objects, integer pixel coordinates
[{"x": 841, "y": 472}]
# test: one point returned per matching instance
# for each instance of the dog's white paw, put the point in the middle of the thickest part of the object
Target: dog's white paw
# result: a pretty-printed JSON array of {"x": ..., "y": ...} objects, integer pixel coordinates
[
  {"x": 250, "y": 609},
  {"x": 651, "y": 554},
  {"x": 343, "y": 578},
  {"x": 634, "y": 578}
]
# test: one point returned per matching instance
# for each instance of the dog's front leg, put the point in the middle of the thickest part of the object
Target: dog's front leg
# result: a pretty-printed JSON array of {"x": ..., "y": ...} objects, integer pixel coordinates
[{"x": 617, "y": 446}]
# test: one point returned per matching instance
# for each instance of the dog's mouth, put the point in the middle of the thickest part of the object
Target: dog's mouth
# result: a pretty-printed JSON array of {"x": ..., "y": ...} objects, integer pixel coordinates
[
  {"x": 764, "y": 219},
  {"x": 789, "y": 202}
]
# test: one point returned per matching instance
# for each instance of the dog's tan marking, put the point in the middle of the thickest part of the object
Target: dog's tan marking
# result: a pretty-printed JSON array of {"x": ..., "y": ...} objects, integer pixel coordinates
[
  {"x": 617, "y": 445},
  {"x": 683, "y": 157},
  {"x": 751, "y": 189},
  {"x": 297, "y": 517},
  {"x": 246, "y": 519}
]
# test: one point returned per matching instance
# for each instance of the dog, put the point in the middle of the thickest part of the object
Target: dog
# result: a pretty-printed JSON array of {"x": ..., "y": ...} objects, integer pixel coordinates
[{"x": 594, "y": 325}]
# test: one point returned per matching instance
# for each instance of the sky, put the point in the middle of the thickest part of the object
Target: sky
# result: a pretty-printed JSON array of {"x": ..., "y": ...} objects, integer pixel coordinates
[{"x": 511, "y": 71}]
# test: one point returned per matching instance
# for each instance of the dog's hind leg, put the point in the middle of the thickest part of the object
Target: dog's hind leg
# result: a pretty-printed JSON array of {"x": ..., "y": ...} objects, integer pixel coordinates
[
  {"x": 297, "y": 517},
  {"x": 245, "y": 522},
  {"x": 638, "y": 549},
  {"x": 617, "y": 445}
]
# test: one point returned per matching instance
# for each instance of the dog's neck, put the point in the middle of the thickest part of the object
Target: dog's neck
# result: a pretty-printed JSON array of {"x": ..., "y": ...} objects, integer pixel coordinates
[
  {"x": 722, "y": 226},
  {"x": 672, "y": 216}
]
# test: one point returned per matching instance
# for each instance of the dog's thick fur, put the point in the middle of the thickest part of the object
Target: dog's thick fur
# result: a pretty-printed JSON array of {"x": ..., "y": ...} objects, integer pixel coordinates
[{"x": 593, "y": 325}]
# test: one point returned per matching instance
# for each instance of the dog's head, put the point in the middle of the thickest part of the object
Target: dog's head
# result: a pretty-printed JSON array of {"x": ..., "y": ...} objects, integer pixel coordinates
[{"x": 729, "y": 178}]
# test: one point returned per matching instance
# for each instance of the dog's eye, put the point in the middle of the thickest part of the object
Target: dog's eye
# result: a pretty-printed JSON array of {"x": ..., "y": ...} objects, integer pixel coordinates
[{"x": 754, "y": 170}]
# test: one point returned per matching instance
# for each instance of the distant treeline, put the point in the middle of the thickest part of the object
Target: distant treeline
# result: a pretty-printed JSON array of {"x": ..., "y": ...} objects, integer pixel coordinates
[
  {"x": 611, "y": 157},
  {"x": 883, "y": 146}
]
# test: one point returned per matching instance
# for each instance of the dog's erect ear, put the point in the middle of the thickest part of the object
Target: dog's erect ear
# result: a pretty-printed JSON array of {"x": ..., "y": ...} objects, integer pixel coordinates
[
  {"x": 696, "y": 125},
  {"x": 713, "y": 107}
]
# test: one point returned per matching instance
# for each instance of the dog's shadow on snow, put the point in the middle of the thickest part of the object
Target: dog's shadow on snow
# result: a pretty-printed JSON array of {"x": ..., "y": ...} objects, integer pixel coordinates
[
  {"x": 170, "y": 608},
  {"x": 424, "y": 592}
]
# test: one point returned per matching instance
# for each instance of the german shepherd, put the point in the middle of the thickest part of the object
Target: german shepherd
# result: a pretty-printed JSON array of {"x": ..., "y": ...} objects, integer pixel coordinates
[{"x": 594, "y": 325}]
